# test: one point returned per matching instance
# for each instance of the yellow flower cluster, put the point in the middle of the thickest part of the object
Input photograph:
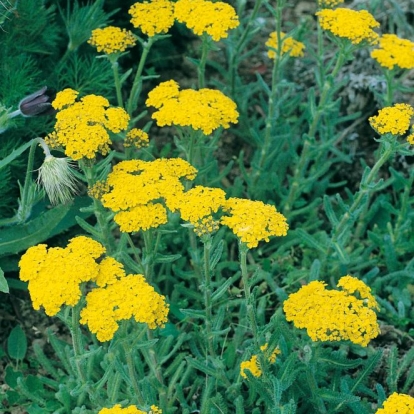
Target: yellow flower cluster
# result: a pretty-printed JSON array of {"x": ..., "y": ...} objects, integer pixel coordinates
[
  {"x": 203, "y": 16},
  {"x": 253, "y": 364},
  {"x": 136, "y": 137},
  {"x": 111, "y": 39},
  {"x": 198, "y": 205},
  {"x": 200, "y": 202},
  {"x": 153, "y": 17},
  {"x": 253, "y": 221},
  {"x": 329, "y": 3},
  {"x": 394, "y": 51},
  {"x": 355, "y": 26},
  {"x": 132, "y": 409},
  {"x": 98, "y": 189},
  {"x": 55, "y": 276},
  {"x": 206, "y": 109},
  {"x": 397, "y": 404},
  {"x": 289, "y": 45},
  {"x": 410, "y": 139},
  {"x": 81, "y": 127},
  {"x": 393, "y": 119},
  {"x": 127, "y": 297},
  {"x": 332, "y": 315},
  {"x": 65, "y": 98},
  {"x": 150, "y": 181}
]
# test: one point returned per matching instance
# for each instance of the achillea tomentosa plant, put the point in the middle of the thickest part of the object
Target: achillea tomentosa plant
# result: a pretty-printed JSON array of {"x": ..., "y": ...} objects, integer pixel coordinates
[{"x": 184, "y": 293}]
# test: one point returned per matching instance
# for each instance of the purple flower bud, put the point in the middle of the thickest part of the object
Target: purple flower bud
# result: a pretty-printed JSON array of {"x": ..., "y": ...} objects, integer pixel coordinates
[{"x": 38, "y": 103}]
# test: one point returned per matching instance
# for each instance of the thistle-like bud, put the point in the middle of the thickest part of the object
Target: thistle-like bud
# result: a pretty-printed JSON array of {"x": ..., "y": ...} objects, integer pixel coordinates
[
  {"x": 38, "y": 103},
  {"x": 58, "y": 179}
]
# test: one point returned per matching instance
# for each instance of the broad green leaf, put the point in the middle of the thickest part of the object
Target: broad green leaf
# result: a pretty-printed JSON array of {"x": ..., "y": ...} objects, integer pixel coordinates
[
  {"x": 17, "y": 343},
  {"x": 4, "y": 287},
  {"x": 18, "y": 238}
]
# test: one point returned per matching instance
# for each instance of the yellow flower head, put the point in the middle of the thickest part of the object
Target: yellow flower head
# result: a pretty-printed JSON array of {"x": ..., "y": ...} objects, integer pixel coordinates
[
  {"x": 289, "y": 45},
  {"x": 410, "y": 139},
  {"x": 329, "y": 3},
  {"x": 98, "y": 189},
  {"x": 273, "y": 355},
  {"x": 206, "y": 225},
  {"x": 252, "y": 365},
  {"x": 136, "y": 138},
  {"x": 82, "y": 127},
  {"x": 397, "y": 404},
  {"x": 393, "y": 119},
  {"x": 200, "y": 202},
  {"x": 54, "y": 274},
  {"x": 153, "y": 17},
  {"x": 130, "y": 296},
  {"x": 203, "y": 16},
  {"x": 394, "y": 51},
  {"x": 132, "y": 409},
  {"x": 111, "y": 39},
  {"x": 355, "y": 26},
  {"x": 65, "y": 98},
  {"x": 253, "y": 221},
  {"x": 141, "y": 217},
  {"x": 134, "y": 186},
  {"x": 206, "y": 109},
  {"x": 332, "y": 315},
  {"x": 197, "y": 207}
]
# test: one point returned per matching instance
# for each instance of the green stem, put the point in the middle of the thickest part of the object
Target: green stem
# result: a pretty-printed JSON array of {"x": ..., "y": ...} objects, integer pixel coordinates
[
  {"x": 240, "y": 45},
  {"x": 134, "y": 249},
  {"x": 156, "y": 367},
  {"x": 271, "y": 103},
  {"x": 77, "y": 342},
  {"x": 99, "y": 211},
  {"x": 137, "y": 84},
  {"x": 133, "y": 375},
  {"x": 207, "y": 297},
  {"x": 357, "y": 201},
  {"x": 300, "y": 168},
  {"x": 243, "y": 249},
  {"x": 150, "y": 253},
  {"x": 389, "y": 77},
  {"x": 201, "y": 68},
  {"x": 115, "y": 71},
  {"x": 25, "y": 204}
]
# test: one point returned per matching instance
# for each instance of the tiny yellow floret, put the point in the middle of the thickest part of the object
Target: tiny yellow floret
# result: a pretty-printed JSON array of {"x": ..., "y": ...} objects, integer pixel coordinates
[
  {"x": 111, "y": 39},
  {"x": 394, "y": 119},
  {"x": 397, "y": 404},
  {"x": 289, "y": 45},
  {"x": 394, "y": 51},
  {"x": 203, "y": 16},
  {"x": 355, "y": 26}
]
